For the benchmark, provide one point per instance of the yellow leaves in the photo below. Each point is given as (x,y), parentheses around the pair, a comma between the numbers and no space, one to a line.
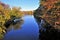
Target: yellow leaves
(3,31)
(5,14)
(0,30)
(16,8)
(1,7)
(2,19)
(20,14)
(1,36)
(16,12)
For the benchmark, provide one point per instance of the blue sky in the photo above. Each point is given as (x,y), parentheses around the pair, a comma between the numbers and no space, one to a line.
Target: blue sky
(25,5)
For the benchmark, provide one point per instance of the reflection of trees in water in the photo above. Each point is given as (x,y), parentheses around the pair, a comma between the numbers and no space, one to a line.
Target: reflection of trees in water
(49,10)
(18,25)
(6,18)
(11,23)
(14,23)
(47,32)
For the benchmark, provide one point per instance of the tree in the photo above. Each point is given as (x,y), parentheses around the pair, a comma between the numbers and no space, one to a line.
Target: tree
(7,14)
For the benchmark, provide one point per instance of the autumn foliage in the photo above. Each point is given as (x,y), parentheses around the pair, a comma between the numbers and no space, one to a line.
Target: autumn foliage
(6,13)
(51,12)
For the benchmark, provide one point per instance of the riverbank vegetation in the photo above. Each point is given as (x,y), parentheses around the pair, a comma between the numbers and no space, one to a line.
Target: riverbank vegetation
(49,10)
(7,13)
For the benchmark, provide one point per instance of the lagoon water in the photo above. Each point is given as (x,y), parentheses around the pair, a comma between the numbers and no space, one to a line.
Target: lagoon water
(28,31)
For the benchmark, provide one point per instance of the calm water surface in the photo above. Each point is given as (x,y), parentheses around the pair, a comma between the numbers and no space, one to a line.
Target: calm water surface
(29,30)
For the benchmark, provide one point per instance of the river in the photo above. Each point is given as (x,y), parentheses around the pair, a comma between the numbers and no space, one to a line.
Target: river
(29,30)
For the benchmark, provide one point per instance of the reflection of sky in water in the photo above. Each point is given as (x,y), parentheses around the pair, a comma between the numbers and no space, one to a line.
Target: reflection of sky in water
(29,31)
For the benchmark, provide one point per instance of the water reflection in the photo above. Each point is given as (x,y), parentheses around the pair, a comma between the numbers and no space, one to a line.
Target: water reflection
(29,30)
